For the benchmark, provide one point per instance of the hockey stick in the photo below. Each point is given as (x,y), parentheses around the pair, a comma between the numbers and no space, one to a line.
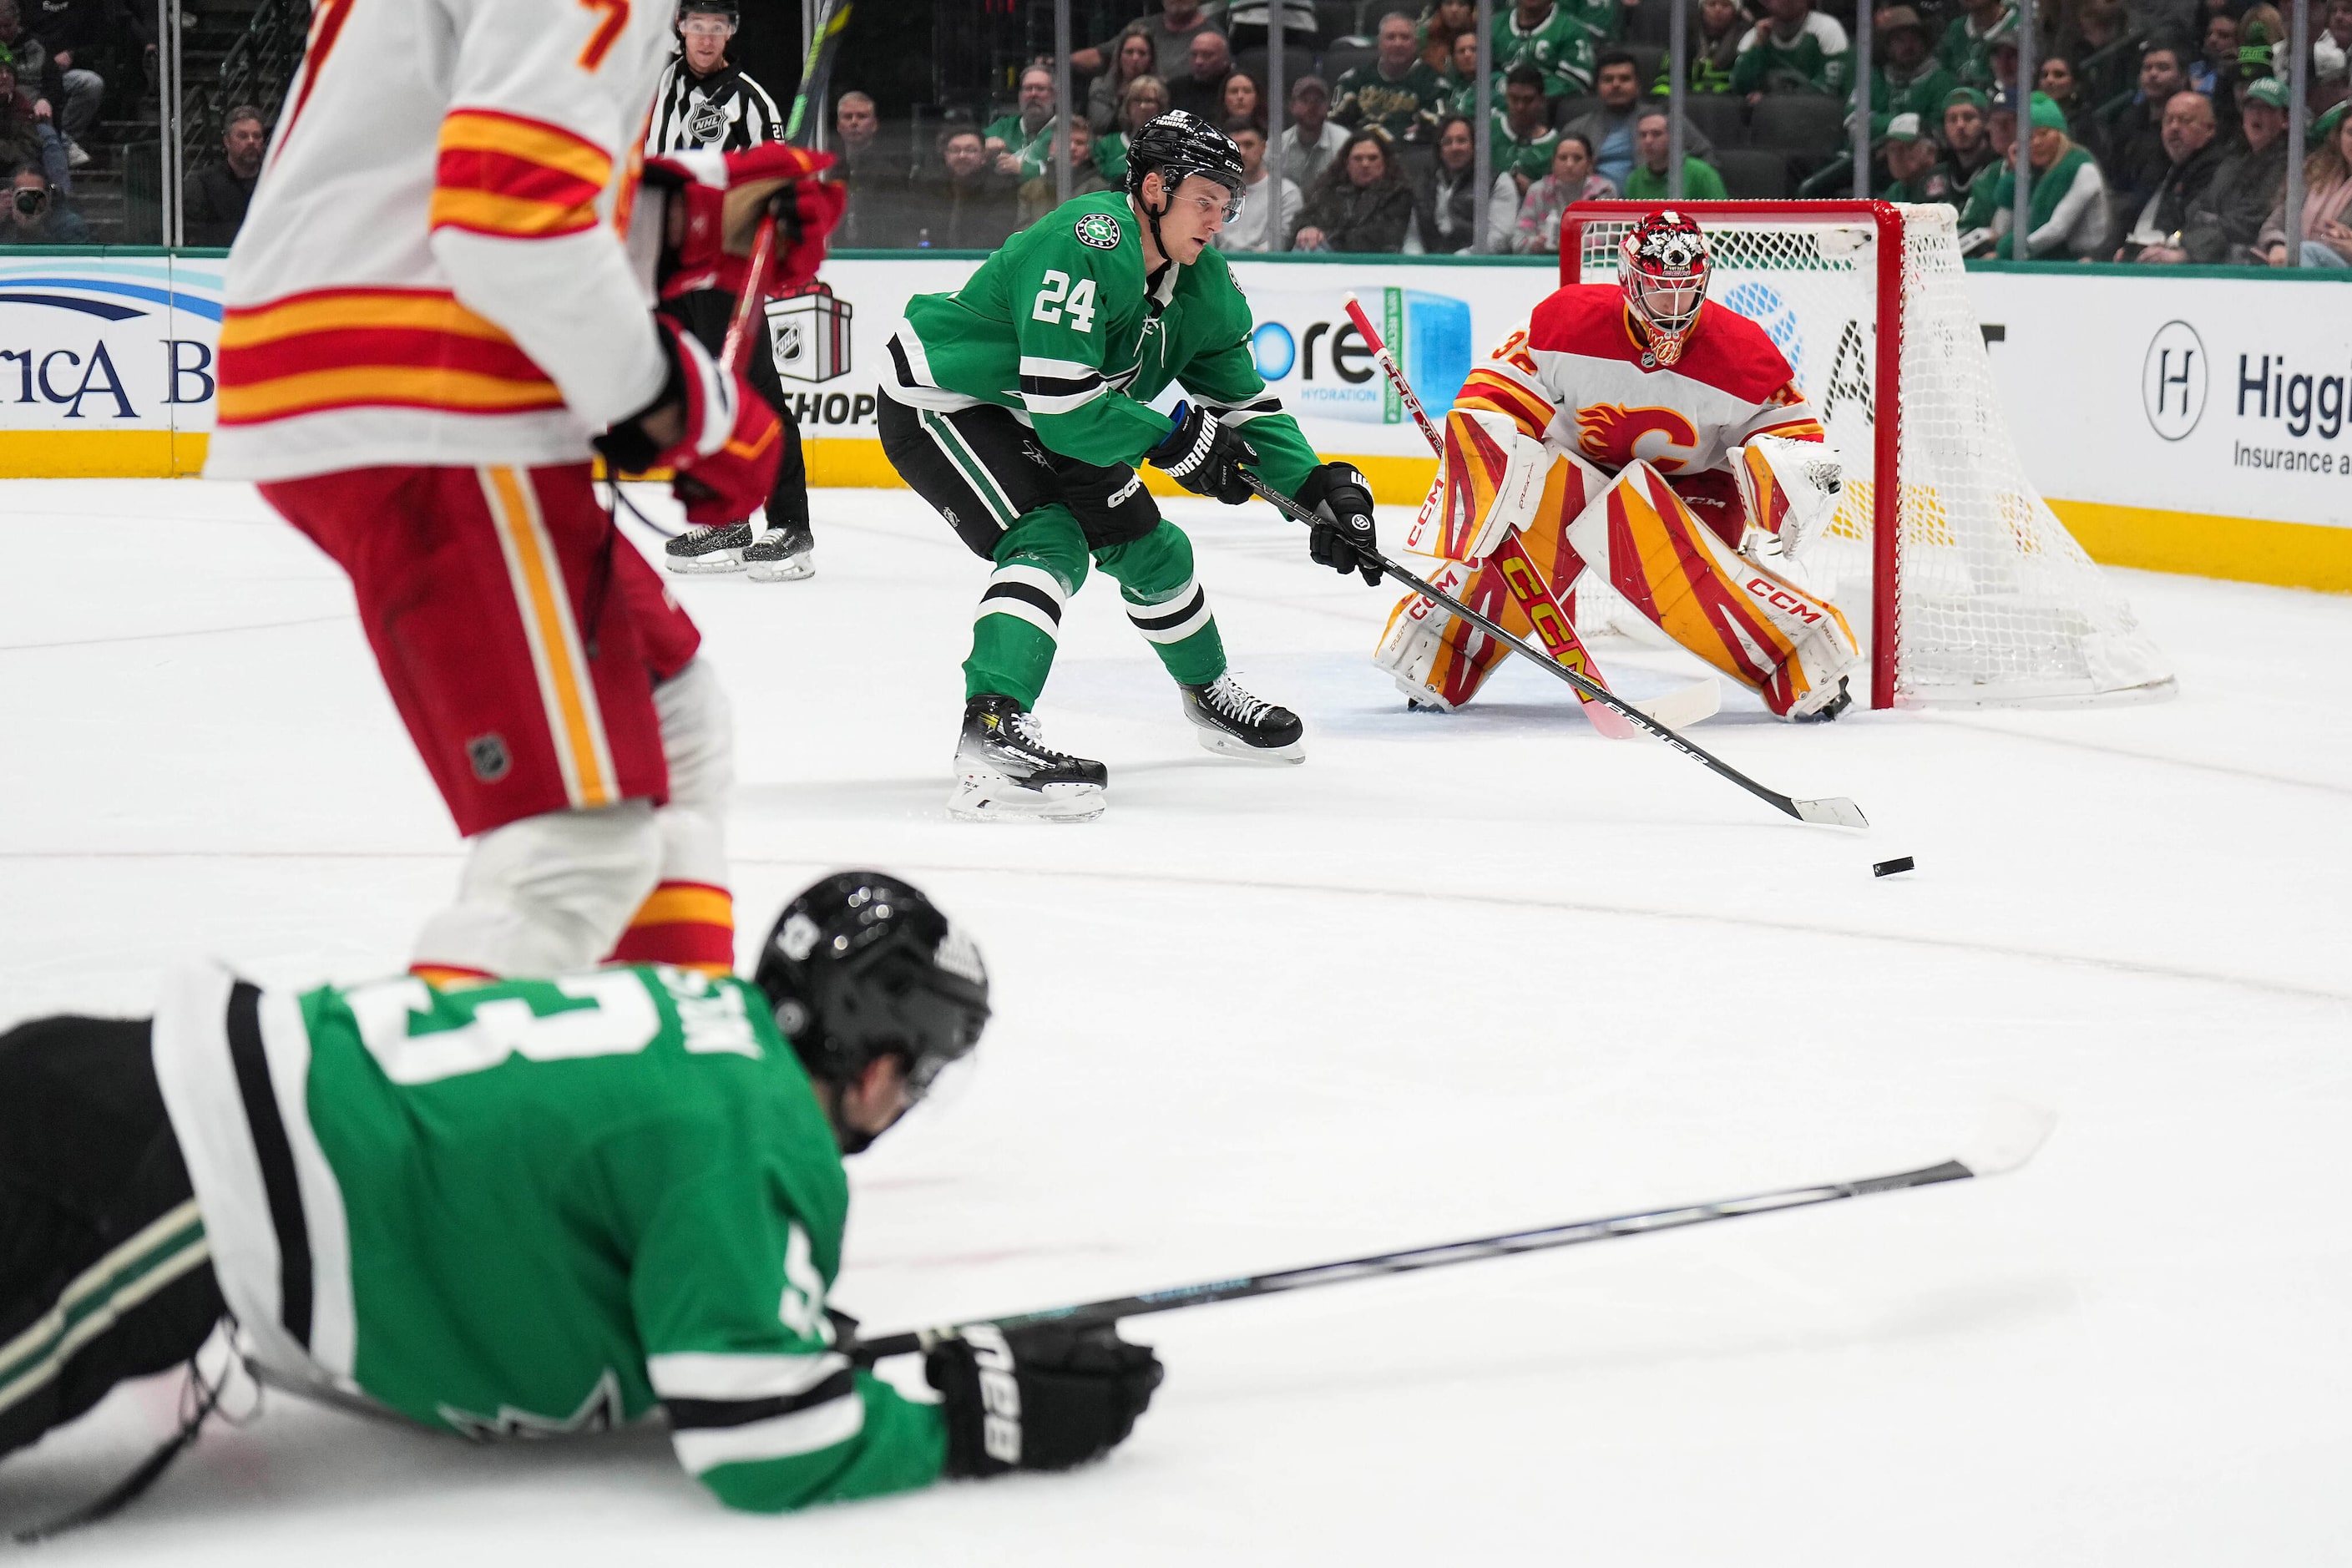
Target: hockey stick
(2009,1138)
(1543,609)
(817,70)
(1834,810)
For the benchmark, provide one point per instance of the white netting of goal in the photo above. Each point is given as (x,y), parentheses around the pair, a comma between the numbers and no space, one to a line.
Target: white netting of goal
(1998,604)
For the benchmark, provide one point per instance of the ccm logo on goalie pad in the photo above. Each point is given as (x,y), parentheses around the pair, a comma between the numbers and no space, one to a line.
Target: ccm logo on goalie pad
(1781,599)
(1000,1393)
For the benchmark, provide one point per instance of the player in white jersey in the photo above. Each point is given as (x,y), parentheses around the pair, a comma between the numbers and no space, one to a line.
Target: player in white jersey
(1645,433)
(437,306)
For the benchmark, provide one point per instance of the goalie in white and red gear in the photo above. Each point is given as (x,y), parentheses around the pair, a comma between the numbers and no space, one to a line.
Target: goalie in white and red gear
(1649,435)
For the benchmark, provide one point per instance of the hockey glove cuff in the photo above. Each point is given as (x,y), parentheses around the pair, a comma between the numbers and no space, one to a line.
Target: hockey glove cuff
(717,200)
(1044,1399)
(1205,455)
(729,441)
(1345,540)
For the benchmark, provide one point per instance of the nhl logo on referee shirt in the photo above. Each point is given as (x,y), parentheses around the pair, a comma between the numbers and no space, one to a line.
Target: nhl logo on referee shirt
(708,123)
(1099,230)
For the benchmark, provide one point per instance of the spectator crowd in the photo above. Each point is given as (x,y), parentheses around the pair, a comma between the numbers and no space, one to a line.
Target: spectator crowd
(2155,130)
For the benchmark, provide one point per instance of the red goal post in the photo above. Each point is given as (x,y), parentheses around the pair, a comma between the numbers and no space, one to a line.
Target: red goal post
(1977,594)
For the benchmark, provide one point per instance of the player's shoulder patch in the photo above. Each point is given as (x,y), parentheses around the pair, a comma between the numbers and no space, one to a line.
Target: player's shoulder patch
(1099,230)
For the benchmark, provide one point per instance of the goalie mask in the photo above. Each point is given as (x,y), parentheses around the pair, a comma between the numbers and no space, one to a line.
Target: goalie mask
(1662,266)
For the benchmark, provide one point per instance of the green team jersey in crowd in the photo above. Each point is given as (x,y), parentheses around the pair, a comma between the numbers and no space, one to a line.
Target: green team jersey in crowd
(1700,183)
(537,1206)
(1509,154)
(1967,53)
(1063,327)
(1922,93)
(1561,46)
(1818,60)
(1406,109)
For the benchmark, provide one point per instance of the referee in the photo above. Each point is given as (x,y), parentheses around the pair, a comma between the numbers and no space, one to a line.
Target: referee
(706,102)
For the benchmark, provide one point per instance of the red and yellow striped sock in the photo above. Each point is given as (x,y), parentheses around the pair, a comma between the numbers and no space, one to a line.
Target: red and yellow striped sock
(689,924)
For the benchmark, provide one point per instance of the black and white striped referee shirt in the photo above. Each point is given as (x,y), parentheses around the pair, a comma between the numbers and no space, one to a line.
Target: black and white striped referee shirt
(725,109)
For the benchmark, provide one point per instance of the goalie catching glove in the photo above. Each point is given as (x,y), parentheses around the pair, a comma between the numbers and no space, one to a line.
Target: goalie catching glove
(1790,490)
(728,443)
(1043,1399)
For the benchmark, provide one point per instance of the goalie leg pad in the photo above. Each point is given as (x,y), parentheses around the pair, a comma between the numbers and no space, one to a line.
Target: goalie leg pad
(1436,658)
(1492,483)
(1785,644)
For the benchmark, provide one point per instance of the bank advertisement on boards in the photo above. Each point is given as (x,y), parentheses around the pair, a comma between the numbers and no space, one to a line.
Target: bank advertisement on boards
(2196,395)
(90,343)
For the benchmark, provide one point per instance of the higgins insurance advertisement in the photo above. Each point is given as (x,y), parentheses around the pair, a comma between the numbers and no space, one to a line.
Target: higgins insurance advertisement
(2216,396)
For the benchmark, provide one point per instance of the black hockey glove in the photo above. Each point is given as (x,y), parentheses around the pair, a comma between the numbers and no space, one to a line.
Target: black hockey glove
(1044,1399)
(1205,455)
(1344,540)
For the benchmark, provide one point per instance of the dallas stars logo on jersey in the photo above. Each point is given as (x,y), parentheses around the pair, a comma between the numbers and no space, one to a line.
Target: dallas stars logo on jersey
(1099,230)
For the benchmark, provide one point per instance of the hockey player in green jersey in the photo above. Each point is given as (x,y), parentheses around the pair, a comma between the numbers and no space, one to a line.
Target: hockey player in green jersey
(1019,407)
(527,1207)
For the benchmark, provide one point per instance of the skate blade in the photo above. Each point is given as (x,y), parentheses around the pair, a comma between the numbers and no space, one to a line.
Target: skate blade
(973,801)
(791,569)
(1227,745)
(702,566)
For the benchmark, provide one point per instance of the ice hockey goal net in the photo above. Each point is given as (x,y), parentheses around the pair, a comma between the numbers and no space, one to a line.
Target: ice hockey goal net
(1975,593)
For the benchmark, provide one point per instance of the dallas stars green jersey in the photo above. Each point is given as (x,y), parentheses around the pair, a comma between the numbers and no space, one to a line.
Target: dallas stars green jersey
(1062,326)
(537,1206)
(1562,45)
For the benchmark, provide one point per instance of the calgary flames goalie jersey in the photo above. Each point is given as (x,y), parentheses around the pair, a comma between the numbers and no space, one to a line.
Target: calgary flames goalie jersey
(435,268)
(1577,377)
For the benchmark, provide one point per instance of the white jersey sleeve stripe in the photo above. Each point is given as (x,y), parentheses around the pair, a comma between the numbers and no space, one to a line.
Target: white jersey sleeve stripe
(779,1437)
(710,1375)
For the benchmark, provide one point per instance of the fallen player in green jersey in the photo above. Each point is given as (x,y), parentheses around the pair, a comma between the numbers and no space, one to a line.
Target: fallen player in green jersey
(526,1207)
(1019,406)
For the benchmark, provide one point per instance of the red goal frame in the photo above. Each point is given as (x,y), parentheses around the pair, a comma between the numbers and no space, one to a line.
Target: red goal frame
(1886,425)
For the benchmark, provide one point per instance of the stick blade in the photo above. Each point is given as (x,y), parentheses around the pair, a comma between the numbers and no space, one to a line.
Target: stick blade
(1836,811)
(1607,719)
(2011,1133)
(1694,704)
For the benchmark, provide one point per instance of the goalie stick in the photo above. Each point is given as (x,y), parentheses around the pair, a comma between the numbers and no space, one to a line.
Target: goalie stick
(1834,810)
(2011,1134)
(1543,609)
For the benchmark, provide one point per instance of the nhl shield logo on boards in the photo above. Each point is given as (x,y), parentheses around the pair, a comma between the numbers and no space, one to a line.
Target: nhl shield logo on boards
(1099,230)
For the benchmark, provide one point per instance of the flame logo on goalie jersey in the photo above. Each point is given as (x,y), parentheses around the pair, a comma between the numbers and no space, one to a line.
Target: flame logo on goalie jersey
(1610,434)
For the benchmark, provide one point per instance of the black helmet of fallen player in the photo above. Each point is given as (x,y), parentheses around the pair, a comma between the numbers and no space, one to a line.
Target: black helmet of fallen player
(862,966)
(1662,266)
(1176,146)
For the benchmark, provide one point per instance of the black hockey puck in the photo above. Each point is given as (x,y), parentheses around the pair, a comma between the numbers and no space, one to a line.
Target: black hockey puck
(1889,868)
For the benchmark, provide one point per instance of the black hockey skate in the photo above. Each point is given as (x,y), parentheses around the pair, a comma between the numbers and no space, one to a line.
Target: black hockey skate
(1006,772)
(718,548)
(1236,724)
(782,555)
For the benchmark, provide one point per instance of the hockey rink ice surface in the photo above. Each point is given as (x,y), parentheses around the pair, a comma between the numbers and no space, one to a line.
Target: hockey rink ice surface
(1452,976)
